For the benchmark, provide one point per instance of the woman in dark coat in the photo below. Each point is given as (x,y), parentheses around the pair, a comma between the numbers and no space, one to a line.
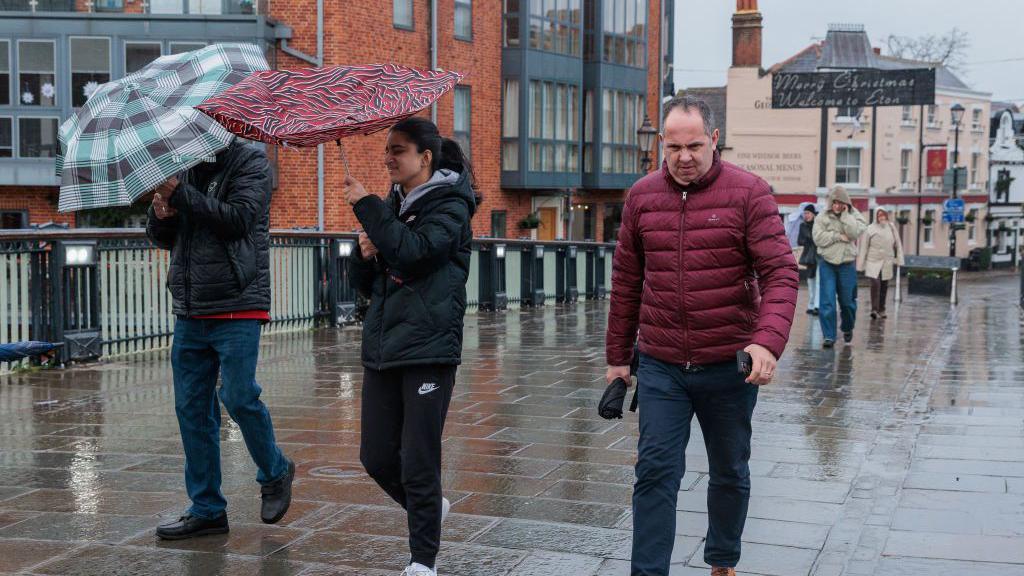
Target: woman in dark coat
(412,264)
(809,256)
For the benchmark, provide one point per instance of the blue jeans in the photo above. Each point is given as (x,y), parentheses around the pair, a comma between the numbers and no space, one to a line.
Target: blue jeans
(724,405)
(201,349)
(812,292)
(837,280)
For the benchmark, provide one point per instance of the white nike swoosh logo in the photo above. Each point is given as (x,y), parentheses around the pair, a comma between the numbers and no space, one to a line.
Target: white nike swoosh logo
(427,388)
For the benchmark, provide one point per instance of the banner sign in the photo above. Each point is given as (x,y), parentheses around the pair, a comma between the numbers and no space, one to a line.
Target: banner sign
(862,88)
(936,162)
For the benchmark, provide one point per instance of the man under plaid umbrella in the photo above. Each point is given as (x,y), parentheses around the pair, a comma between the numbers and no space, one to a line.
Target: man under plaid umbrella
(216,223)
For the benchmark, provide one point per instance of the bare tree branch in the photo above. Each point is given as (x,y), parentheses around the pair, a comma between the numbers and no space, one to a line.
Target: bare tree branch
(948,49)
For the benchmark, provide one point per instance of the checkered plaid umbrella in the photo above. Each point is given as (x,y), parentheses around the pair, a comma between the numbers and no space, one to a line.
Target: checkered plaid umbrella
(136,132)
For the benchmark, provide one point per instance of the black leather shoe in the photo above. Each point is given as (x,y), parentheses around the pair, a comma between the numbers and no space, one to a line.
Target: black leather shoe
(189,526)
(847,337)
(828,343)
(277,496)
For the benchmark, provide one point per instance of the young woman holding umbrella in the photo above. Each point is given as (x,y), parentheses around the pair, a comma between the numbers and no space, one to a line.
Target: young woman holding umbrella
(413,263)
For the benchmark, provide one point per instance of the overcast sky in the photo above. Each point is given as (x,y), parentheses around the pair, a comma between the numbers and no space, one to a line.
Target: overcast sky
(703,49)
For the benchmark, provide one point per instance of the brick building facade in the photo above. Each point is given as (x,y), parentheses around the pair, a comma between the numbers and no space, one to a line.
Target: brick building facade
(382,31)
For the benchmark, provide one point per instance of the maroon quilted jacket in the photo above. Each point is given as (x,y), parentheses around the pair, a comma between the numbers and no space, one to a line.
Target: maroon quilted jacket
(702,270)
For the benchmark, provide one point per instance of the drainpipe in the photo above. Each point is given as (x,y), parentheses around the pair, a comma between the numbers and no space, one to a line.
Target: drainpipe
(320,148)
(433,51)
(661,72)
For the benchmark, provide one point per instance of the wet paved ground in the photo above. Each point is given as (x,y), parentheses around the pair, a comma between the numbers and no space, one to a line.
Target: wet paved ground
(902,454)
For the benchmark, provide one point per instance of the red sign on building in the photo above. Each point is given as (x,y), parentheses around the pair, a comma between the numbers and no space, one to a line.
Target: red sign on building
(936,162)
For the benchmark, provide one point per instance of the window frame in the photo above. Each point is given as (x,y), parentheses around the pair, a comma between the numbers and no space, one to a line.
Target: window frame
(467,148)
(546,152)
(71,67)
(620,150)
(501,215)
(56,92)
(21,117)
(124,52)
(906,168)
(548,30)
(848,167)
(196,43)
(11,100)
(617,39)
(411,26)
(465,5)
(510,156)
(14,141)
(928,230)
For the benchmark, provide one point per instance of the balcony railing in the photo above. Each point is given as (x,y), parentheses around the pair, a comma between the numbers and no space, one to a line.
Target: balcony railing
(169,7)
(37,5)
(102,292)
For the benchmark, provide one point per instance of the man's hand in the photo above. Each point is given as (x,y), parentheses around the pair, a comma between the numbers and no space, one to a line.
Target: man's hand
(763,365)
(618,372)
(366,246)
(354,191)
(167,188)
(844,237)
(162,209)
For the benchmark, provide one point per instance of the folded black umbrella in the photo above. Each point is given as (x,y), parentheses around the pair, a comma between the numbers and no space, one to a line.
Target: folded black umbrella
(612,400)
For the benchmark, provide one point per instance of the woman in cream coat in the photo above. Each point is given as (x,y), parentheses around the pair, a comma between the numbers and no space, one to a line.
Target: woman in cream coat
(880,249)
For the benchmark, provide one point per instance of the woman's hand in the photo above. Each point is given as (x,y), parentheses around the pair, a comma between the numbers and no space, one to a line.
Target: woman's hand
(366,247)
(354,191)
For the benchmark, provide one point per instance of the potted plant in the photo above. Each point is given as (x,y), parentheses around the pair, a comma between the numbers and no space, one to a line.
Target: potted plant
(927,220)
(903,220)
(989,217)
(936,282)
(530,221)
(970,217)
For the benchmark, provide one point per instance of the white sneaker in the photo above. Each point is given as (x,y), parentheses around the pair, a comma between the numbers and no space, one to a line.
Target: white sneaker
(446,507)
(415,569)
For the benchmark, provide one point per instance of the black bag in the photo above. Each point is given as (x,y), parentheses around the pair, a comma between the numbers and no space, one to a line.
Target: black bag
(614,397)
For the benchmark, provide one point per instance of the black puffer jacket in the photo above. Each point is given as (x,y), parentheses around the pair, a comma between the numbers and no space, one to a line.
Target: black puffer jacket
(220,238)
(417,282)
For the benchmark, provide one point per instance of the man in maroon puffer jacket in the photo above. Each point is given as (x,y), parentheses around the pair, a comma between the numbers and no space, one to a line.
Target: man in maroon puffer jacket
(702,270)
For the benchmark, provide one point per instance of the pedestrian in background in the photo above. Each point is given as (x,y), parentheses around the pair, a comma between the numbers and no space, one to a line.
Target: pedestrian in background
(809,256)
(835,234)
(704,270)
(413,264)
(880,250)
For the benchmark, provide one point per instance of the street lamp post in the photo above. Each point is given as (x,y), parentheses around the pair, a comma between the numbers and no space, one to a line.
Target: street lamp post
(645,138)
(957,113)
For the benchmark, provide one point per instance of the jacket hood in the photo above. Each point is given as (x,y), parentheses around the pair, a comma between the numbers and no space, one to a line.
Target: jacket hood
(444,183)
(838,193)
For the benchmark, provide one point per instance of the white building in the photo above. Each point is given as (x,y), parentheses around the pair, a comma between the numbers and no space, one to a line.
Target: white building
(1006,194)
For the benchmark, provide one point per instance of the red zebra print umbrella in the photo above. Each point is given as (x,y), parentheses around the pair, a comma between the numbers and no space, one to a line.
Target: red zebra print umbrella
(317,105)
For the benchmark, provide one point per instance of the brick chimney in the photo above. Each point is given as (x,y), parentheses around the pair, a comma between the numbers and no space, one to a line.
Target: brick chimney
(746,35)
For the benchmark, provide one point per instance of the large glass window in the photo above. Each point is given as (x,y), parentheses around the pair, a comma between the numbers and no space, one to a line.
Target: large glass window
(5,73)
(510,126)
(847,165)
(464,19)
(138,54)
(625,32)
(932,111)
(612,222)
(36,80)
(463,115)
(554,127)
(6,137)
(588,131)
(37,137)
(908,114)
(182,47)
(403,17)
(498,223)
(928,226)
(555,26)
(511,23)
(622,116)
(975,164)
(90,67)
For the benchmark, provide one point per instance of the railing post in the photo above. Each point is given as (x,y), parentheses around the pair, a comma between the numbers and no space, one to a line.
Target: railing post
(75,297)
(898,297)
(572,270)
(492,277)
(342,299)
(532,276)
(599,287)
(539,296)
(953,289)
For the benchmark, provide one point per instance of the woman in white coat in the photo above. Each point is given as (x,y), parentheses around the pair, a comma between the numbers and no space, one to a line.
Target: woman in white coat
(880,250)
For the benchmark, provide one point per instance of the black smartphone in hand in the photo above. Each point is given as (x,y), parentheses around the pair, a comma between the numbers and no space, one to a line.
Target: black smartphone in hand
(744,363)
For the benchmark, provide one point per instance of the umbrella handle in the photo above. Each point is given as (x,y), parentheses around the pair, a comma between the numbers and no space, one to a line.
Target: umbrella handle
(344,156)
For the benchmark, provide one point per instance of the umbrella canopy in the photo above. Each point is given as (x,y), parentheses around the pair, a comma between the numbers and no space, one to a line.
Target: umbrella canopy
(793,222)
(136,132)
(316,105)
(18,350)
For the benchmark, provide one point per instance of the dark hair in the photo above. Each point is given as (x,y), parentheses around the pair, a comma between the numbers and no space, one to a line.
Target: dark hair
(688,103)
(445,153)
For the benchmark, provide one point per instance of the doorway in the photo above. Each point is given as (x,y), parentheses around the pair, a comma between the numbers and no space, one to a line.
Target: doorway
(548,224)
